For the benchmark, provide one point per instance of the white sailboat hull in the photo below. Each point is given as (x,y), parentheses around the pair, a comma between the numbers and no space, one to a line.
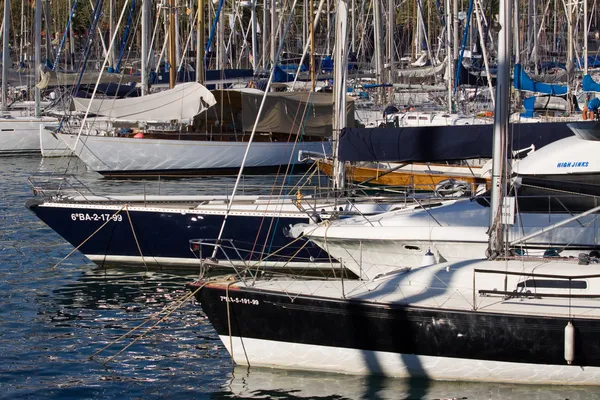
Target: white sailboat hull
(116,155)
(268,353)
(51,145)
(21,135)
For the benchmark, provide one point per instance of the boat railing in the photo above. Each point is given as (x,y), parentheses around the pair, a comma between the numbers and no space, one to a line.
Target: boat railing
(217,248)
(51,185)
(543,285)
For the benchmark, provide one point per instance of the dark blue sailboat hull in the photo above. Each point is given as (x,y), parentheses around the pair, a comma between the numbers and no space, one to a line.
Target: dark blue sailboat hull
(162,237)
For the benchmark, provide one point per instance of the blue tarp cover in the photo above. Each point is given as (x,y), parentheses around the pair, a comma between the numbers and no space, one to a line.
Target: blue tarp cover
(522,81)
(589,85)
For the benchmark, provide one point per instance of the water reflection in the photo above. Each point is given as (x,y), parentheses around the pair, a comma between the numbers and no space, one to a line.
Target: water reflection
(262,383)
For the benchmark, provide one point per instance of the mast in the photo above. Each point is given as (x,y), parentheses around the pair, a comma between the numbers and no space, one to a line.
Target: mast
(535,35)
(516,50)
(71,40)
(569,53)
(339,90)
(378,51)
(585,37)
(251,139)
(5,53)
(312,48)
(273,29)
(391,24)
(144,60)
(554,36)
(175,13)
(48,39)
(111,32)
(37,56)
(500,129)
(449,55)
(200,43)
(172,58)
(254,40)
(21,60)
(265,33)
(478,17)
(455,30)
(353,26)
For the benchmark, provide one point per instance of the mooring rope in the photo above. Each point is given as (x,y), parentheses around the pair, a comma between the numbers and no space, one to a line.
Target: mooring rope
(177,305)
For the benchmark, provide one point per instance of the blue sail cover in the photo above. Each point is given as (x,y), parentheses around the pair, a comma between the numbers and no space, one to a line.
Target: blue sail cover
(441,143)
(522,81)
(589,85)
(529,106)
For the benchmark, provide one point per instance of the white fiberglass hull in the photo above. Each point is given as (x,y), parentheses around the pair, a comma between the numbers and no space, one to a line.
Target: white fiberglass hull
(452,232)
(51,145)
(116,155)
(21,135)
(267,353)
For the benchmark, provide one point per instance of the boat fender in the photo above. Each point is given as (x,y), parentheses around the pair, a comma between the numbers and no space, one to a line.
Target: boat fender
(428,259)
(570,343)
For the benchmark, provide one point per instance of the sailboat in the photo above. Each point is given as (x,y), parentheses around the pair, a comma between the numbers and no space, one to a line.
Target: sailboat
(502,319)
(20,135)
(131,229)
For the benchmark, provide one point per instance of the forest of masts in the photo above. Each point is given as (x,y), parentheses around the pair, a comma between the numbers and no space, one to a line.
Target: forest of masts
(409,28)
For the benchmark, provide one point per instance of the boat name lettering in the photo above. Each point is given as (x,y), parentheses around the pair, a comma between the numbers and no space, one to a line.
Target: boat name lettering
(574,164)
(96,217)
(239,300)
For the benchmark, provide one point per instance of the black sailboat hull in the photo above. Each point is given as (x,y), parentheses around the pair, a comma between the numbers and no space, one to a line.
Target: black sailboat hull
(375,332)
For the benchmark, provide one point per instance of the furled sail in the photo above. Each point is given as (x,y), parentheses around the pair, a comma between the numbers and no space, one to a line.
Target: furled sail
(422,72)
(181,103)
(54,78)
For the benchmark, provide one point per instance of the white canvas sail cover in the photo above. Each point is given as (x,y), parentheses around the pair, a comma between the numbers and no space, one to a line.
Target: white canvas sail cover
(181,103)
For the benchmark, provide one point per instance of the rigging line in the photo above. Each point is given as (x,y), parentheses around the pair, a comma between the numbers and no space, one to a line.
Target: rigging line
(151,44)
(125,36)
(289,170)
(181,303)
(270,231)
(64,38)
(229,328)
(112,42)
(257,264)
(287,173)
(315,24)
(137,243)
(237,181)
(187,42)
(89,237)
(121,78)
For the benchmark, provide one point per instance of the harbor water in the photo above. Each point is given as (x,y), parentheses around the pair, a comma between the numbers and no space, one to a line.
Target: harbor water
(58,314)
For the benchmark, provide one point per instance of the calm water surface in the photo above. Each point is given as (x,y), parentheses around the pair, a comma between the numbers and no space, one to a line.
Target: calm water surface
(53,319)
